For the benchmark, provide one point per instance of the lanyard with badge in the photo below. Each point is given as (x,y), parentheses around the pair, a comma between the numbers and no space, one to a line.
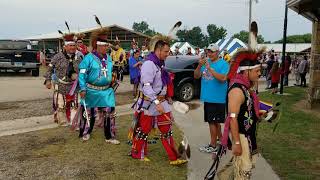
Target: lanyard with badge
(103,65)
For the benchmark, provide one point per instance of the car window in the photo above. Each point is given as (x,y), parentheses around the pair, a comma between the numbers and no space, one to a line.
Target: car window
(192,66)
(181,62)
(15,45)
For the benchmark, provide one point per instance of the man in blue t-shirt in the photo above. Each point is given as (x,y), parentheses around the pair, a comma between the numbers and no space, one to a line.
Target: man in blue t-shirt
(134,70)
(213,72)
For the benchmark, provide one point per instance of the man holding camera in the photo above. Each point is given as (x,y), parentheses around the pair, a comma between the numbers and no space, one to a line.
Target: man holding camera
(213,72)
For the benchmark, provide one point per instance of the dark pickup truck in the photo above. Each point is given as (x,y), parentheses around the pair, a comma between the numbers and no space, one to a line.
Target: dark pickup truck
(17,55)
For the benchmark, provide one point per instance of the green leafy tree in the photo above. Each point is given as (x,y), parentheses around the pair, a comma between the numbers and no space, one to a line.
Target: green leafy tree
(303,38)
(244,37)
(193,36)
(215,33)
(143,27)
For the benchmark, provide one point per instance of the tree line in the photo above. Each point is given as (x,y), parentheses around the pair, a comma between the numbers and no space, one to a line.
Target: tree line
(213,33)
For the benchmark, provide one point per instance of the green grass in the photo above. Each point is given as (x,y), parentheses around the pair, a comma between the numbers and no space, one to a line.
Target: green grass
(294,148)
(59,154)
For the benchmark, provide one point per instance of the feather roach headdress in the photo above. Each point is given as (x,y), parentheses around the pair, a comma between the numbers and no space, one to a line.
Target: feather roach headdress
(134,42)
(167,38)
(99,36)
(80,36)
(146,42)
(117,41)
(244,59)
(68,38)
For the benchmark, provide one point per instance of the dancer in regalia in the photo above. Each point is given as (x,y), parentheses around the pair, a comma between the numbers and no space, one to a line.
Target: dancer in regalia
(96,89)
(62,75)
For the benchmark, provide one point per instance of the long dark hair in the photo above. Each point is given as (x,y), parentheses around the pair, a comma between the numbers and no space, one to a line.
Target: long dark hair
(289,58)
(275,67)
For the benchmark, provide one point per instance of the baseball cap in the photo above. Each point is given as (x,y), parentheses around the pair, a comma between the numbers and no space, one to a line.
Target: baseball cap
(213,47)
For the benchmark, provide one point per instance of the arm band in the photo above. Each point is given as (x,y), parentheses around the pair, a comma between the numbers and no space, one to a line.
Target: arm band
(233,115)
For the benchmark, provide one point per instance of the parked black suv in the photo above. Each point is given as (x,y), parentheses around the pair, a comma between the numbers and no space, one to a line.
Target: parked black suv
(182,68)
(49,55)
(17,55)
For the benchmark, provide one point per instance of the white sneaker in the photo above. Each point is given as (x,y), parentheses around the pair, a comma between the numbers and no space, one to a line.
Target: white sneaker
(112,141)
(208,149)
(86,137)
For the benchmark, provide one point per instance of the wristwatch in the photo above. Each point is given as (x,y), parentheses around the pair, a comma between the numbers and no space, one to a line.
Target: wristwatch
(156,101)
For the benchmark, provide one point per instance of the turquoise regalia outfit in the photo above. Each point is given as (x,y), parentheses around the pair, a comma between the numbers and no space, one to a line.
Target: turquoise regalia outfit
(95,80)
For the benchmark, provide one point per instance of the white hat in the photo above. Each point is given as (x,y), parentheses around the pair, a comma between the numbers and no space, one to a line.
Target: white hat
(213,47)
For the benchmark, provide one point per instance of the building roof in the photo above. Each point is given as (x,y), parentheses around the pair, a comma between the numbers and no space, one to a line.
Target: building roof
(231,45)
(308,8)
(124,34)
(290,48)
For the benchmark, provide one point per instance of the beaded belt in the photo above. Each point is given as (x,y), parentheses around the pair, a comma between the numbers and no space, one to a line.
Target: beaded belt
(100,88)
(64,82)
(146,98)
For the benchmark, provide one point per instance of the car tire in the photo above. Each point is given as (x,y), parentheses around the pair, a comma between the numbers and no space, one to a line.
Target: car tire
(186,92)
(35,72)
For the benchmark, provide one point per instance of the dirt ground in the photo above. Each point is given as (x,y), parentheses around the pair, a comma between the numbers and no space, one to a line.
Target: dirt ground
(59,154)
(123,98)
(42,107)
(24,87)
(25,109)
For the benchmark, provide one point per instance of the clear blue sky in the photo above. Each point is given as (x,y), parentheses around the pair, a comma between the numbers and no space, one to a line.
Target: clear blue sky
(23,18)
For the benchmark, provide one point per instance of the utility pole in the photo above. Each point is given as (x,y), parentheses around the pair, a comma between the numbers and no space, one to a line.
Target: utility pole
(284,45)
(250,18)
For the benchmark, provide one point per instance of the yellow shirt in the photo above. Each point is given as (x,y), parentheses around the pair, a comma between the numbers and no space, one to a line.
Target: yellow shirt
(227,57)
(115,55)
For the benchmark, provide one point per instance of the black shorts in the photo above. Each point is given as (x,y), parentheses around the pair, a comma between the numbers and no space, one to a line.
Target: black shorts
(274,85)
(214,112)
